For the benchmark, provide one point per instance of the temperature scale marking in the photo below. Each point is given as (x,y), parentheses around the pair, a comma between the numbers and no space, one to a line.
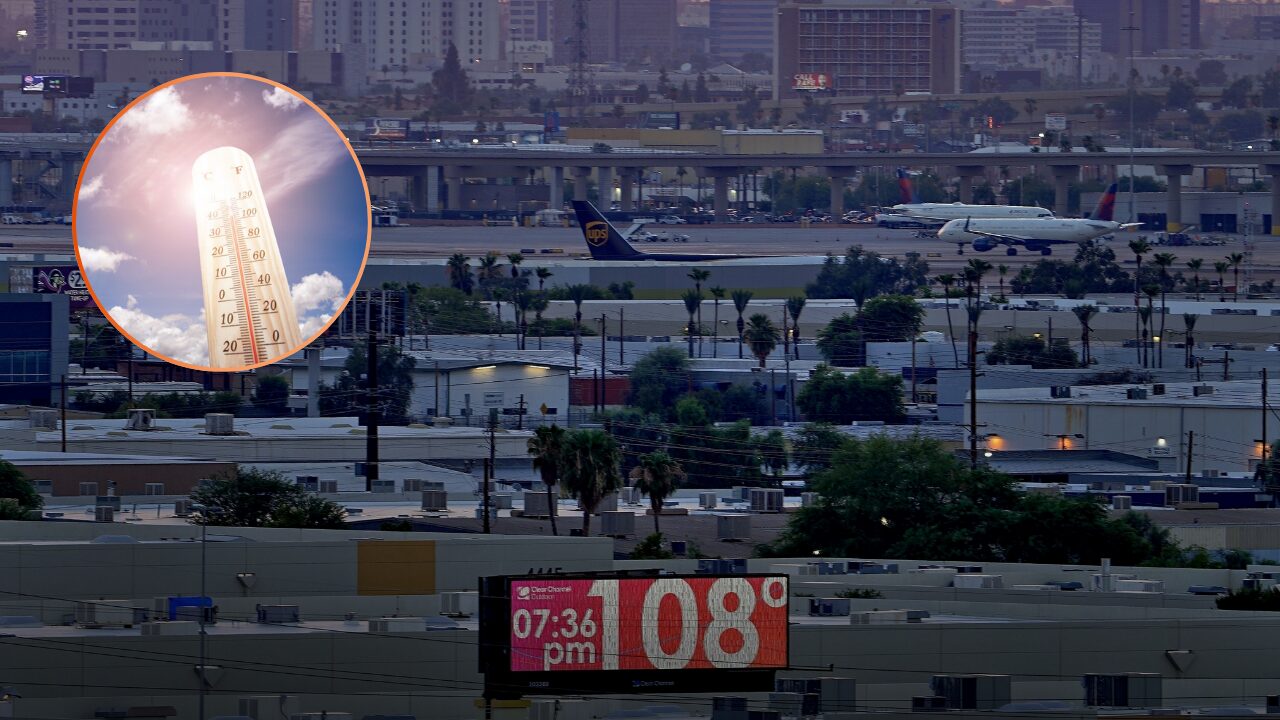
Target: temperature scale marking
(249,313)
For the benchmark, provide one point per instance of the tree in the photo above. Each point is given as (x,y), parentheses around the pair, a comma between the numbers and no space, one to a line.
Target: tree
(1235,260)
(832,396)
(589,470)
(272,393)
(1242,126)
(814,445)
(460,273)
(1084,314)
(1029,105)
(840,342)
(761,336)
(1194,266)
(1181,94)
(700,91)
(692,305)
(1139,247)
(699,276)
(642,93)
(1164,261)
(578,294)
(349,392)
(868,273)
(996,108)
(1237,94)
(1220,267)
(657,476)
(740,300)
(946,280)
(1211,73)
(261,498)
(890,318)
(1002,270)
(543,274)
(452,86)
(19,499)
(795,306)
(1189,322)
(658,379)
(547,449)
(1023,350)
(718,293)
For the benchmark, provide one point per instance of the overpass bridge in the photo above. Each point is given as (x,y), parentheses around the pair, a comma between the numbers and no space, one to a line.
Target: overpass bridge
(436,173)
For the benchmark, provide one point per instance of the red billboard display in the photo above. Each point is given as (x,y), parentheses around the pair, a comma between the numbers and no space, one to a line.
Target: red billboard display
(648,624)
(811,81)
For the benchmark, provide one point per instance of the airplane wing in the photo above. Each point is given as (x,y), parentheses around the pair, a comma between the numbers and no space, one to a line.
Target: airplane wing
(1001,239)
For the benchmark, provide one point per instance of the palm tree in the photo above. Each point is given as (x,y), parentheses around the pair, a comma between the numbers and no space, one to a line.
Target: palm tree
(973,272)
(539,305)
(1164,261)
(762,336)
(577,293)
(692,304)
(1148,333)
(1084,313)
(1189,321)
(1234,260)
(717,292)
(1003,270)
(522,302)
(1144,316)
(657,476)
(547,447)
(589,470)
(515,259)
(1029,105)
(1221,268)
(1194,266)
(460,272)
(543,275)
(946,281)
(1139,247)
(795,306)
(489,271)
(698,276)
(740,300)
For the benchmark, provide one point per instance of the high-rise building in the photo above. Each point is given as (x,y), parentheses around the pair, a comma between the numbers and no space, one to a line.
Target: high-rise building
(529,35)
(402,34)
(867,47)
(997,36)
(256,24)
(618,30)
(1157,24)
(742,27)
(117,24)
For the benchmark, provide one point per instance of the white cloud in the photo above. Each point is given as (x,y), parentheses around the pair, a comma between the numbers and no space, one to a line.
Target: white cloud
(312,325)
(281,99)
(162,113)
(90,189)
(173,336)
(102,259)
(318,291)
(298,155)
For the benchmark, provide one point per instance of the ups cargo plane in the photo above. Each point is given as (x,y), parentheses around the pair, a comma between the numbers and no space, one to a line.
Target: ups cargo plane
(606,243)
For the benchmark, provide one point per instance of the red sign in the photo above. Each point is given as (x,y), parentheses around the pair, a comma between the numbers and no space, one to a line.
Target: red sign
(811,81)
(688,623)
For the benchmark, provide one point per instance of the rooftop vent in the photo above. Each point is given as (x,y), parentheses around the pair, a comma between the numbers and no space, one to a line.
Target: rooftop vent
(43,419)
(219,424)
(141,419)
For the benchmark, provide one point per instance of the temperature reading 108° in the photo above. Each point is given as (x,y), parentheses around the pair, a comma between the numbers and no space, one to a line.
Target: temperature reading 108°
(248,311)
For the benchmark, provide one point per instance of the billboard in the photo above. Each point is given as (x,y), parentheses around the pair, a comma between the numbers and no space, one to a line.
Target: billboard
(1055,121)
(64,280)
(33,84)
(386,128)
(811,81)
(615,633)
(660,120)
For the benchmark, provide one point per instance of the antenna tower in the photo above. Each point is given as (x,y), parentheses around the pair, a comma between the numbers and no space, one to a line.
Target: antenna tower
(579,75)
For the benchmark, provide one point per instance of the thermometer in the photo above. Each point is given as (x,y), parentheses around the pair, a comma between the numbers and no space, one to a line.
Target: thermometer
(248,311)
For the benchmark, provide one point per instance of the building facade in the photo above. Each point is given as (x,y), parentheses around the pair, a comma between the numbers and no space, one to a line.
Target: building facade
(34,357)
(1050,38)
(409,35)
(868,47)
(1158,24)
(742,27)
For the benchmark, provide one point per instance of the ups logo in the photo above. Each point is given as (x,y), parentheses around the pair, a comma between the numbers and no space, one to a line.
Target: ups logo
(597,232)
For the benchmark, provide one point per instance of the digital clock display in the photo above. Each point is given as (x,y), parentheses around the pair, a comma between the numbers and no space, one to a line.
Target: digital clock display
(645,624)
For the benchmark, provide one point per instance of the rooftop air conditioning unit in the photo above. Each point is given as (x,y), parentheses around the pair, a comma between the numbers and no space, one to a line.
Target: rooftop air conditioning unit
(384,486)
(182,508)
(108,613)
(928,703)
(1122,690)
(175,627)
(1199,390)
(411,485)
(1060,391)
(104,514)
(1147,586)
(828,607)
(502,501)
(435,501)
(1178,493)
(328,487)
(733,527)
(878,617)
(397,625)
(984,582)
(219,424)
(310,483)
(808,499)
(43,419)
(972,692)
(718,566)
(618,523)
(794,704)
(707,500)
(1157,389)
(629,495)
(1121,502)
(537,505)
(141,419)
(766,500)
(460,604)
(1211,473)
(279,615)
(1135,394)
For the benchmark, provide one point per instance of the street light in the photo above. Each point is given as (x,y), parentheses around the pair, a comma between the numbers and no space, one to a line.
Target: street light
(205,511)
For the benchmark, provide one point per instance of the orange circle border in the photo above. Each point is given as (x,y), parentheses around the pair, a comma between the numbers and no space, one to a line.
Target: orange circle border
(364,182)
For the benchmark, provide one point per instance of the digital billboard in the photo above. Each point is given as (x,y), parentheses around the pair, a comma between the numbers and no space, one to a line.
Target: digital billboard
(64,280)
(33,84)
(811,81)
(617,633)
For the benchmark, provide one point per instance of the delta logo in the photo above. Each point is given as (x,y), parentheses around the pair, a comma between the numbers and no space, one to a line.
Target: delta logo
(597,232)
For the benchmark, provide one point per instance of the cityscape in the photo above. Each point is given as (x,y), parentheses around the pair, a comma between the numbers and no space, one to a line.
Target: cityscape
(639,359)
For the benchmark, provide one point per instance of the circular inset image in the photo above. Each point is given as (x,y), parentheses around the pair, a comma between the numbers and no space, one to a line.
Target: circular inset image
(221,221)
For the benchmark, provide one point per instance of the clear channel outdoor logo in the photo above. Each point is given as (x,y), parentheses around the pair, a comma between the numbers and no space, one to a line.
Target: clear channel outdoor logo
(540,592)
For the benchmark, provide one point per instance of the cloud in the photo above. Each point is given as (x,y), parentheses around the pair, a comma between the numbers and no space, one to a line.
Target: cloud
(281,99)
(102,259)
(90,189)
(313,324)
(180,337)
(162,113)
(318,291)
(301,153)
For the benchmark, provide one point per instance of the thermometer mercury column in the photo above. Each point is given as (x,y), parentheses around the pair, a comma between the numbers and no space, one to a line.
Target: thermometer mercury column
(248,311)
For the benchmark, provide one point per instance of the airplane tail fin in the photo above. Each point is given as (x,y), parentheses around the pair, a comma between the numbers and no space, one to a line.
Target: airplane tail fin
(1106,208)
(907,192)
(603,239)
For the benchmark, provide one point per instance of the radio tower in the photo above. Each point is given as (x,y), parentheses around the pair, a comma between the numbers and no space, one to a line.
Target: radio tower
(579,76)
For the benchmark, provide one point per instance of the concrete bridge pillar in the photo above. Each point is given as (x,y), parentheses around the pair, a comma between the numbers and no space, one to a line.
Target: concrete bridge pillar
(837,176)
(580,176)
(720,178)
(1173,197)
(964,185)
(1062,177)
(424,189)
(1274,172)
(6,182)
(627,188)
(604,182)
(453,194)
(555,187)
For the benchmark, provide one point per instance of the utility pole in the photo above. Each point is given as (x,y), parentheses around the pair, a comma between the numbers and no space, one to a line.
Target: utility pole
(520,410)
(1133,90)
(973,396)
(371,423)
(1226,365)
(1264,415)
(1050,345)
(604,359)
(1191,439)
(64,411)
(489,469)
(579,76)
(622,345)
(436,387)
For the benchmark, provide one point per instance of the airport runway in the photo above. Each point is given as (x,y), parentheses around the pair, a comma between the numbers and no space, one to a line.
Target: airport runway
(426,241)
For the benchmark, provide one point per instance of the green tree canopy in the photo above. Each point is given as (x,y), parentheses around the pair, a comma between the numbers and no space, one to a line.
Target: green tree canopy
(19,499)
(863,274)
(833,396)
(260,498)
(348,395)
(1032,350)
(658,379)
(272,393)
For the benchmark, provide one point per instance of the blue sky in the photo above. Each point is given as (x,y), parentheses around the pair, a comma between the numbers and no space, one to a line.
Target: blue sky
(135,220)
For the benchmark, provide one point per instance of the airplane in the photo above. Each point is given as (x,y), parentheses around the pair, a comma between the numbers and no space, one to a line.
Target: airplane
(1034,234)
(912,212)
(606,243)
